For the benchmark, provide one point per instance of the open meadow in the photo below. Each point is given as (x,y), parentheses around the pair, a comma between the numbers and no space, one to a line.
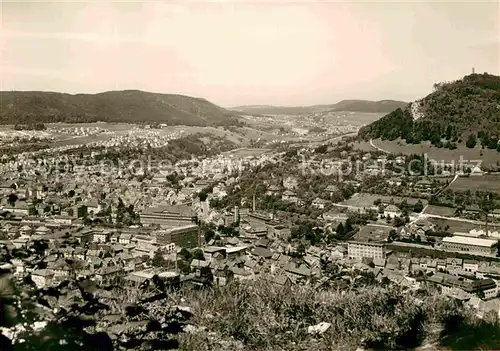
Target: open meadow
(453,226)
(367,200)
(488,157)
(487,182)
(440,211)
(246,152)
(472,156)
(363,146)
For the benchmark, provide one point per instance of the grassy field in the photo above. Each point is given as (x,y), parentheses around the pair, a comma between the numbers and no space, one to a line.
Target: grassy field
(459,226)
(81,140)
(488,182)
(366,200)
(489,157)
(373,233)
(440,211)
(245,152)
(363,146)
(104,125)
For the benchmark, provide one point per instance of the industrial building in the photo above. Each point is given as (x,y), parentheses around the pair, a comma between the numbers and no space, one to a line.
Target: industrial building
(172,216)
(187,236)
(470,245)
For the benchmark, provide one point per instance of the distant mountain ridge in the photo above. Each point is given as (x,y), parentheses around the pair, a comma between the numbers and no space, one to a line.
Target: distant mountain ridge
(470,105)
(383,106)
(128,106)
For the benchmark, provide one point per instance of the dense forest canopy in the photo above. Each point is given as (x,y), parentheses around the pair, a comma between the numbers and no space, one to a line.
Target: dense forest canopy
(383,106)
(450,114)
(129,106)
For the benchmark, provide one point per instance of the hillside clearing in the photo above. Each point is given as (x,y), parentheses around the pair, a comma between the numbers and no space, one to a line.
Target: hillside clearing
(473,156)
(487,182)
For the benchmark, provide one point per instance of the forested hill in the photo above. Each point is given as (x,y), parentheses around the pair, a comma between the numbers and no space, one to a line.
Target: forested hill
(368,106)
(130,106)
(454,111)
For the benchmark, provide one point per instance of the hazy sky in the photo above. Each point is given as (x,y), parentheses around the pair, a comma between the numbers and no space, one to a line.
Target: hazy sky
(234,52)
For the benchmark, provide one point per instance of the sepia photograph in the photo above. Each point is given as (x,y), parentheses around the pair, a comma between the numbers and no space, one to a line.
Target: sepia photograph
(232,175)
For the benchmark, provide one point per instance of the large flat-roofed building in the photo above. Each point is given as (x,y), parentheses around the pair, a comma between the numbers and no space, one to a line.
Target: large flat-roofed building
(173,216)
(470,245)
(356,250)
(184,236)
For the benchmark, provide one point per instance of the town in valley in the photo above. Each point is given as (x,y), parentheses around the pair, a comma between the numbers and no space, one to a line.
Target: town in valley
(132,220)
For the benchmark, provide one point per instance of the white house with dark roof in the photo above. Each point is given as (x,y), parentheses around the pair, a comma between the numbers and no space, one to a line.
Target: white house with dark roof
(392,211)
(331,189)
(124,238)
(319,203)
(289,196)
(42,278)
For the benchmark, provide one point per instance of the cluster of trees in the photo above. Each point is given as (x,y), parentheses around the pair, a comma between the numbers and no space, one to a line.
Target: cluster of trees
(399,221)
(397,124)
(487,141)
(232,230)
(344,230)
(185,257)
(35,126)
(209,235)
(311,230)
(317,130)
(321,149)
(204,192)
(125,215)
(174,178)
(13,150)
(308,230)
(462,199)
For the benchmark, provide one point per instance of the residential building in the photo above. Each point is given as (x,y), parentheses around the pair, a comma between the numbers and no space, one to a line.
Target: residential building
(332,189)
(471,266)
(125,239)
(319,203)
(101,236)
(392,211)
(233,253)
(213,253)
(42,278)
(357,250)
(289,196)
(273,190)
(83,236)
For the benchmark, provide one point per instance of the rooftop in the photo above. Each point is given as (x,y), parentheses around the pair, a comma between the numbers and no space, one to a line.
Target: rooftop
(470,241)
(235,249)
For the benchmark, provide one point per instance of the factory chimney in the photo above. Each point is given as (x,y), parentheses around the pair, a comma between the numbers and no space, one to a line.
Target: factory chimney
(236,214)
